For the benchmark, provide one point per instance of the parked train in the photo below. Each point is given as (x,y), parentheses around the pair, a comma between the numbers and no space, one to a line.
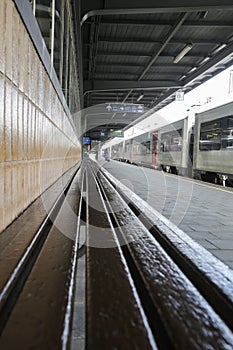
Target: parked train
(199,147)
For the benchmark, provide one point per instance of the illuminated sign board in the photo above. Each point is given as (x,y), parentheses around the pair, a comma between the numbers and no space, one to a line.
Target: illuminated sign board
(115,133)
(124,108)
(86,140)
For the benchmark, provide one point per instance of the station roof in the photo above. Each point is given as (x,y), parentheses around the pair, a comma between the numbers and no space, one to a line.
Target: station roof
(150,49)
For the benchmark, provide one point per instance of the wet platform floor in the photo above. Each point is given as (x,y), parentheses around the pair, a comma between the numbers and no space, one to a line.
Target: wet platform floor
(202,210)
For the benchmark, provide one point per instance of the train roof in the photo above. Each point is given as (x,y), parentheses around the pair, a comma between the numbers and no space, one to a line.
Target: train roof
(223,108)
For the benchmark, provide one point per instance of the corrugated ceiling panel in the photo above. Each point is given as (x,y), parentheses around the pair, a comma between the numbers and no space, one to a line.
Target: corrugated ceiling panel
(124,31)
(121,59)
(118,69)
(220,15)
(152,30)
(110,76)
(173,68)
(161,76)
(148,16)
(141,48)
(204,33)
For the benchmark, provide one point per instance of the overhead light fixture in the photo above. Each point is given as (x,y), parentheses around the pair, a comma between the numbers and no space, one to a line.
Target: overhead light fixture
(140,97)
(220,48)
(192,69)
(182,53)
(183,76)
(205,60)
(203,14)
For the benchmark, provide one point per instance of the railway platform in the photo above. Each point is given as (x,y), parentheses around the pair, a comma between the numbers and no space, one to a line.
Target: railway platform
(202,210)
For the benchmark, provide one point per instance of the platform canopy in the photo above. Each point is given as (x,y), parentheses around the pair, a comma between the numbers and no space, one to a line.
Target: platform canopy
(146,51)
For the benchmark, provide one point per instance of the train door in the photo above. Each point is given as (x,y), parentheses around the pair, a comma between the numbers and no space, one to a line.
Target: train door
(190,155)
(131,150)
(154,148)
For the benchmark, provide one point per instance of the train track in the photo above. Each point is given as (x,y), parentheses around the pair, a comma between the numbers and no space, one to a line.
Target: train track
(181,302)
(36,291)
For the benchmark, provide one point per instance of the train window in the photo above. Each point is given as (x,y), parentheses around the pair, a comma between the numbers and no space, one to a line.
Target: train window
(210,136)
(227,139)
(171,141)
(209,145)
(210,140)
(136,148)
(227,133)
(210,126)
(216,135)
(230,122)
(145,147)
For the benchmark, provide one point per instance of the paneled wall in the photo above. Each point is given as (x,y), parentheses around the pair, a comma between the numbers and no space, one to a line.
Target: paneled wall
(37,140)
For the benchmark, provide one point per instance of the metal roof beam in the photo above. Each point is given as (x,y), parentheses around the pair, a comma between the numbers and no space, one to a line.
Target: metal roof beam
(156,65)
(165,42)
(142,22)
(104,98)
(113,99)
(147,95)
(163,45)
(110,94)
(119,65)
(123,53)
(159,75)
(114,85)
(152,41)
(128,7)
(142,54)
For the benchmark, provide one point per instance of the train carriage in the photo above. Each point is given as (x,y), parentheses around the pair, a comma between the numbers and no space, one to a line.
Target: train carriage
(117,150)
(141,149)
(173,147)
(200,147)
(213,144)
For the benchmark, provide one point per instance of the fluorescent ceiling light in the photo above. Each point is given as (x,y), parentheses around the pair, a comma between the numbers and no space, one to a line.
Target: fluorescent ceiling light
(182,53)
(205,60)
(192,69)
(183,76)
(140,97)
(220,47)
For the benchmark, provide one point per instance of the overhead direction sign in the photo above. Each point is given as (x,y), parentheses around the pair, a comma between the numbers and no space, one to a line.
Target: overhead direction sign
(124,108)
(179,96)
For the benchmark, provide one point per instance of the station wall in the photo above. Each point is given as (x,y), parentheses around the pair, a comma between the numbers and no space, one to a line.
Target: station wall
(38,142)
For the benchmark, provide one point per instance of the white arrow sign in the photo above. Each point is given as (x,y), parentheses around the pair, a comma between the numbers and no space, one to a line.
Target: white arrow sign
(109,108)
